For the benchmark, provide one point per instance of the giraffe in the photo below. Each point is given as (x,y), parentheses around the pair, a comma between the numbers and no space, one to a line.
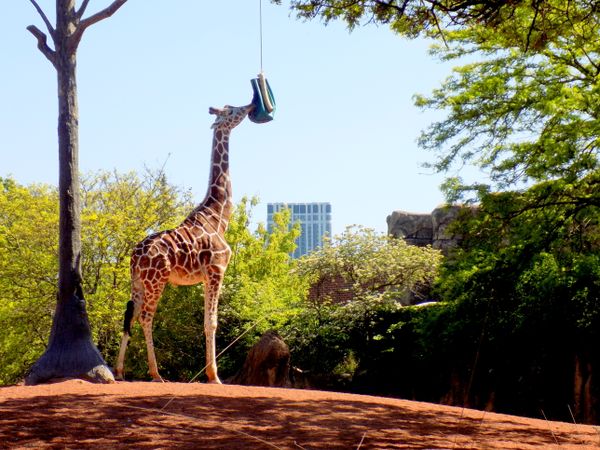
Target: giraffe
(191,253)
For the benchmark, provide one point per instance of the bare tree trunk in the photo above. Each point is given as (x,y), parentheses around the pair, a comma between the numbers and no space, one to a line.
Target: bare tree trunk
(70,352)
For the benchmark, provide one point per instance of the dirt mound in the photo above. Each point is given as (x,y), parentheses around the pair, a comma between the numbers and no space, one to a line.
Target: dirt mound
(80,415)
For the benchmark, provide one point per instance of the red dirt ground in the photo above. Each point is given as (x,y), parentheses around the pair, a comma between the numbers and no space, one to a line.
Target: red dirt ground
(78,415)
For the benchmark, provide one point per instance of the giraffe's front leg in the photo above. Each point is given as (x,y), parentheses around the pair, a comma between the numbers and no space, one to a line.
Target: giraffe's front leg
(146,322)
(211,301)
(146,317)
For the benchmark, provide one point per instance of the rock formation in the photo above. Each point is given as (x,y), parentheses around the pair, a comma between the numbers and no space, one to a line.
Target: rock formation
(427,229)
(267,363)
(416,229)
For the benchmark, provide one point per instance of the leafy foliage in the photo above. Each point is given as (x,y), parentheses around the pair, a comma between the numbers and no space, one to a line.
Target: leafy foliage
(117,211)
(260,282)
(370,265)
(28,273)
(522,117)
(533,314)
(339,329)
(536,22)
(525,111)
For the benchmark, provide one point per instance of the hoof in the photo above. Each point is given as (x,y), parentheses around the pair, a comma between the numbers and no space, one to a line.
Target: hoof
(215,381)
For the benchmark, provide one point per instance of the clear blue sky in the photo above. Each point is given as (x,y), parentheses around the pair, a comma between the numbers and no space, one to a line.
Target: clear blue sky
(345,130)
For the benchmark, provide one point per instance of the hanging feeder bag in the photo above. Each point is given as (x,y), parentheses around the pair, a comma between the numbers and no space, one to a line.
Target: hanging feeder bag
(262,100)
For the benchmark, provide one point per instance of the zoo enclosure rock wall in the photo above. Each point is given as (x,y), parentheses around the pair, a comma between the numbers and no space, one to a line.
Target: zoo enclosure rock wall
(423,229)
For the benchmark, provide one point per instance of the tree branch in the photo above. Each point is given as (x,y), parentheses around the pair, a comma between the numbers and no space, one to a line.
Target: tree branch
(95,18)
(439,28)
(101,15)
(44,18)
(42,44)
(532,26)
(82,8)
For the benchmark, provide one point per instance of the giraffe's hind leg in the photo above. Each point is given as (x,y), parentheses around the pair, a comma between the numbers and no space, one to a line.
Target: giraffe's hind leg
(151,298)
(145,296)
(146,322)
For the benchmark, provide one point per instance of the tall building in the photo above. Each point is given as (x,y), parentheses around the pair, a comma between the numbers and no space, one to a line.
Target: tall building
(315,223)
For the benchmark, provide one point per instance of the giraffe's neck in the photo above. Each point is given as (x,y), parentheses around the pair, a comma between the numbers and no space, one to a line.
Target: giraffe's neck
(217,204)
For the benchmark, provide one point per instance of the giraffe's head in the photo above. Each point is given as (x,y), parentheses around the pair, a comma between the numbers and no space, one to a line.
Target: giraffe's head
(229,116)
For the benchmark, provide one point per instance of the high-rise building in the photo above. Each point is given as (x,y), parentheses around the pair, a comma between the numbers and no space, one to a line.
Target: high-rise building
(315,223)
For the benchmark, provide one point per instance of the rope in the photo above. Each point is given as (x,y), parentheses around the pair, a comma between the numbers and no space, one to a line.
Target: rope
(260,319)
(260,33)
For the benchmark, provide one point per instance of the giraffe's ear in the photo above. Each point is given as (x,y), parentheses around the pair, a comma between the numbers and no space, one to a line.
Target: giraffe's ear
(217,112)
(221,112)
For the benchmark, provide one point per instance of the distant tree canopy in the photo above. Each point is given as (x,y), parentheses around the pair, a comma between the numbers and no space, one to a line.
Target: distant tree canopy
(28,273)
(371,265)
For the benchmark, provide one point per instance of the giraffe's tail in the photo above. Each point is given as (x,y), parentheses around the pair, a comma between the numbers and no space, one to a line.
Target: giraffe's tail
(128,317)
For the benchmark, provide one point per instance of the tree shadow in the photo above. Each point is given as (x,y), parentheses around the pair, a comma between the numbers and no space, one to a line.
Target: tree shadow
(218,422)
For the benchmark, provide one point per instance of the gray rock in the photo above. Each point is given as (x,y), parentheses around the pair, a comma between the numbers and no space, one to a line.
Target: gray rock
(441,218)
(415,228)
(428,229)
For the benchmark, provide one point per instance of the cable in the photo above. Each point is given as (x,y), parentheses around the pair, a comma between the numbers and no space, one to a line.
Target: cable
(260,33)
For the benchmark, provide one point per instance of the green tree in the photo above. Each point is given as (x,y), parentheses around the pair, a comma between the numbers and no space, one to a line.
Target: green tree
(526,113)
(28,268)
(358,283)
(117,211)
(526,315)
(541,21)
(370,266)
(523,118)
(260,279)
